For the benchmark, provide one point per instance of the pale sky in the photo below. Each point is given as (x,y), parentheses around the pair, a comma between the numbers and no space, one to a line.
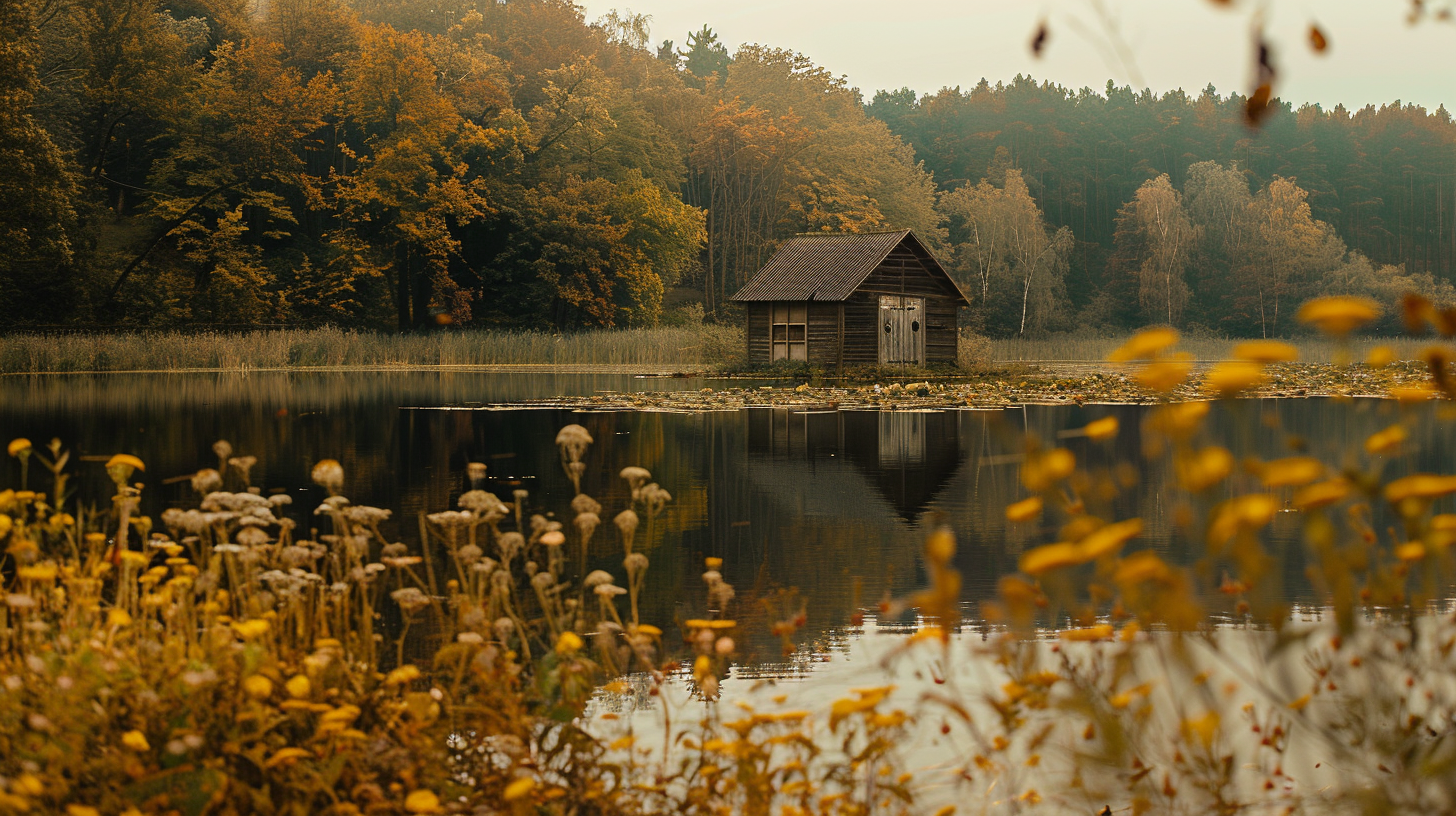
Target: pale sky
(1375,56)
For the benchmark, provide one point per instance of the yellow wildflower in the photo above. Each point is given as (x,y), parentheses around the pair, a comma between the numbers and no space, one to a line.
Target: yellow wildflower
(1385,441)
(258,687)
(1139,567)
(20,446)
(1265,351)
(1380,357)
(251,629)
(1338,315)
(1099,429)
(519,789)
(1292,471)
(1041,471)
(1204,468)
(298,686)
(1108,539)
(1050,557)
(1024,510)
(135,740)
(1321,494)
(1144,345)
(1165,375)
(1102,631)
(1233,376)
(569,643)
(125,460)
(1413,551)
(407,673)
(1419,486)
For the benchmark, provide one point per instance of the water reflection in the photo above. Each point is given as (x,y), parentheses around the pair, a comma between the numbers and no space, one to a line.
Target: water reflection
(832,504)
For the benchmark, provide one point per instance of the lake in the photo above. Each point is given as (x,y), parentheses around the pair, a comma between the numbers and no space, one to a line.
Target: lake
(831,505)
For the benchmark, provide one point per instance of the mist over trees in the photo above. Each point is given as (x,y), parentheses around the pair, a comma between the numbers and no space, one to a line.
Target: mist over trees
(397,164)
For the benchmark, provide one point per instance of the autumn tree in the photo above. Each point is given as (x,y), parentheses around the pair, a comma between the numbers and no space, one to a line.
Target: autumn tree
(1157,210)
(1003,247)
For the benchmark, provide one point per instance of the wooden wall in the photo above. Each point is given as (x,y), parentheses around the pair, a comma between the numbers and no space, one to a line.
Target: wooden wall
(756,330)
(902,273)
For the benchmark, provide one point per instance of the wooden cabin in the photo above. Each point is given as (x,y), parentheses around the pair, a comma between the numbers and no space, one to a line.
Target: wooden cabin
(854,299)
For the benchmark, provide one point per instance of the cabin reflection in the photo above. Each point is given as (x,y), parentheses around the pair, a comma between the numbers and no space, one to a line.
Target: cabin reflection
(904,457)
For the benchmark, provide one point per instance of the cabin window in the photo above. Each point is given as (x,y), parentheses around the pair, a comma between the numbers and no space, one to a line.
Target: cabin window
(789,331)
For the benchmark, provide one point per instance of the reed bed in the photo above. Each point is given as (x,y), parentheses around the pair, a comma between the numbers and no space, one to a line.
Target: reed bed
(331,348)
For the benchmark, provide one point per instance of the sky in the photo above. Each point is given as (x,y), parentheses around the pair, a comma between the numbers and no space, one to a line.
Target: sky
(1375,56)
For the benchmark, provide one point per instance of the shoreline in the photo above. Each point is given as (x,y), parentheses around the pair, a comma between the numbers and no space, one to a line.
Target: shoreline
(1082,384)
(1019,383)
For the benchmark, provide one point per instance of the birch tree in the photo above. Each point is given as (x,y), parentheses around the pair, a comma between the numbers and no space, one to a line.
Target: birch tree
(1159,214)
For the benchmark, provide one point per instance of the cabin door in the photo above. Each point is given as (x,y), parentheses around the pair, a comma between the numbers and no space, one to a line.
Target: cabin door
(902,329)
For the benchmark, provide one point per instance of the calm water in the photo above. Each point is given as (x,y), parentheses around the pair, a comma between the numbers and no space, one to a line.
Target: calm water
(833,504)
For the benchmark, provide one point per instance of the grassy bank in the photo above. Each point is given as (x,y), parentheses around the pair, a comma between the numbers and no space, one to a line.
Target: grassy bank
(679,349)
(172,351)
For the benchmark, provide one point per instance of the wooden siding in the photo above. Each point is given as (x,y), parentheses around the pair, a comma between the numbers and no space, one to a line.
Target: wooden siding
(848,333)
(862,329)
(940,330)
(902,273)
(758,328)
(824,334)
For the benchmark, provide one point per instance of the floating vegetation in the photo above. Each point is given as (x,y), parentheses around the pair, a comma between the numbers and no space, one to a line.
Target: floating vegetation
(1046,384)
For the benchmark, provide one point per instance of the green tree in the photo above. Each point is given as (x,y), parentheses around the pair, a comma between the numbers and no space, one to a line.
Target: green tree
(705,55)
(37,280)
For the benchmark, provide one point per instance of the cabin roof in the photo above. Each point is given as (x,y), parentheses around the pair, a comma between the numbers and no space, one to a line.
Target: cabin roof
(830,267)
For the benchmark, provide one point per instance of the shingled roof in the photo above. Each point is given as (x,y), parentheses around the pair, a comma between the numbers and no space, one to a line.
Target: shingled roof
(830,267)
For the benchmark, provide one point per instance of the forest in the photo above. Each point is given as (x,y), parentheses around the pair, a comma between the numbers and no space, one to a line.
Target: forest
(398,165)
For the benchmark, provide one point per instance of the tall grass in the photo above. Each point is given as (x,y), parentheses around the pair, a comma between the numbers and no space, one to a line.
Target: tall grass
(280,349)
(1094,348)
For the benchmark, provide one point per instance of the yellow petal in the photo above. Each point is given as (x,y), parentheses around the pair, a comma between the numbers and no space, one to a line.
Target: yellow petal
(1231,377)
(1338,315)
(1204,468)
(298,686)
(1140,567)
(519,788)
(569,643)
(1104,428)
(1419,486)
(125,460)
(135,740)
(1110,538)
(1145,345)
(1024,510)
(1165,375)
(1385,441)
(1266,351)
(1050,557)
(1321,494)
(1292,471)
(422,801)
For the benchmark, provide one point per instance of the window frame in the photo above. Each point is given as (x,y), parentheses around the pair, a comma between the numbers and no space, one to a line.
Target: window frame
(788,332)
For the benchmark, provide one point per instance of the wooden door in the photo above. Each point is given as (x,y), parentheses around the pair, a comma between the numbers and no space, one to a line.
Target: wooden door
(902,329)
